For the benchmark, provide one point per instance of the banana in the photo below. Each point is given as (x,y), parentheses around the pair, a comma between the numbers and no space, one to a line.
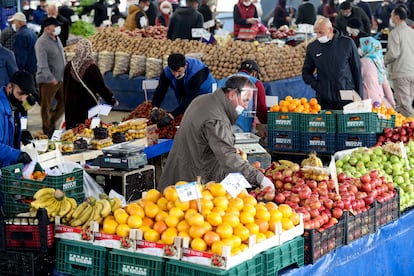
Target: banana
(44,201)
(82,218)
(107,208)
(27,214)
(286,162)
(72,202)
(80,209)
(89,219)
(68,216)
(116,203)
(98,209)
(44,191)
(65,208)
(54,208)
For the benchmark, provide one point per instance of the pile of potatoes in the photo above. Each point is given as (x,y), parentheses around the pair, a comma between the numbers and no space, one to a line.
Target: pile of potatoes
(130,53)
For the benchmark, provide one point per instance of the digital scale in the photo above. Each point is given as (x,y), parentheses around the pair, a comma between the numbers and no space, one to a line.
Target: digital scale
(122,156)
(249,143)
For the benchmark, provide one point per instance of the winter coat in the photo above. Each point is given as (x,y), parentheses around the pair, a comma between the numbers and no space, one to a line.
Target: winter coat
(24,49)
(204,144)
(7,65)
(182,21)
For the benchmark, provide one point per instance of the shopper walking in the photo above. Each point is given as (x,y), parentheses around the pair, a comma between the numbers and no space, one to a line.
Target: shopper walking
(7,65)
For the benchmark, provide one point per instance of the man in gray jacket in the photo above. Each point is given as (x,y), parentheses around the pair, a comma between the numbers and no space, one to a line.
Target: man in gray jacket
(50,66)
(400,61)
(204,144)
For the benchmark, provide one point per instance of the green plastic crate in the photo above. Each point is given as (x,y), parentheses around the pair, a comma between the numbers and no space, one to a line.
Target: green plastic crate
(284,121)
(81,258)
(251,267)
(321,123)
(131,263)
(284,255)
(363,123)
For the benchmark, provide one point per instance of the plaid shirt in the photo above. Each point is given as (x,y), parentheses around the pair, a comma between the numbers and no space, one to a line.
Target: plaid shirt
(7,38)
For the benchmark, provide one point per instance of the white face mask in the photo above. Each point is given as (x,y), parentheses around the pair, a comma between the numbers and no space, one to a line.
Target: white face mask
(391,23)
(352,31)
(247,3)
(323,39)
(145,8)
(360,53)
(26,7)
(239,108)
(165,11)
(14,27)
(180,77)
(57,30)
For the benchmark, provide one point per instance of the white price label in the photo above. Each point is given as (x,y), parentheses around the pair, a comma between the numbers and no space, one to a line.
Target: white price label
(56,135)
(234,183)
(188,191)
(332,171)
(96,121)
(23,123)
(404,155)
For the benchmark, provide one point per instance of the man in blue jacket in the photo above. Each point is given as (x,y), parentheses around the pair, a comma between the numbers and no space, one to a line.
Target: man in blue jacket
(189,78)
(20,86)
(24,44)
(336,61)
(7,65)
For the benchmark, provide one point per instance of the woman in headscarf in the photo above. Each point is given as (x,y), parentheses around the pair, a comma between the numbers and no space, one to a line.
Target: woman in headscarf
(83,84)
(166,10)
(376,86)
(281,15)
(244,15)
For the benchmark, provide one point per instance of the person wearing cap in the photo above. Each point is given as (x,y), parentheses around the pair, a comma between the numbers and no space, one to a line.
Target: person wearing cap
(52,11)
(50,66)
(20,86)
(183,20)
(188,77)
(250,69)
(353,29)
(24,44)
(205,145)
(7,65)
(347,11)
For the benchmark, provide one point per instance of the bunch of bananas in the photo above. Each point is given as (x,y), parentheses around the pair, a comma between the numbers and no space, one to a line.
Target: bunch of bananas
(55,202)
(312,168)
(286,164)
(93,210)
(312,161)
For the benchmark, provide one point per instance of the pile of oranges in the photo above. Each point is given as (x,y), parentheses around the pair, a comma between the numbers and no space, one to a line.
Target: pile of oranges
(388,112)
(223,220)
(302,105)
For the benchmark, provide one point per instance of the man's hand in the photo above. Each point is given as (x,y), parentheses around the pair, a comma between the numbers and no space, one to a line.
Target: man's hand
(166,120)
(24,158)
(266,182)
(155,115)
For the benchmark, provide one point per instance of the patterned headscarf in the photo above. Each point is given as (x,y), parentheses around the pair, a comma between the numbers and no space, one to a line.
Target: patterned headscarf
(372,49)
(82,59)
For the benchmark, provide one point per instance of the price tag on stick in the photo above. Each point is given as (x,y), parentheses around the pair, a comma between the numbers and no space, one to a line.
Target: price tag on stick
(334,176)
(189,192)
(234,183)
(404,155)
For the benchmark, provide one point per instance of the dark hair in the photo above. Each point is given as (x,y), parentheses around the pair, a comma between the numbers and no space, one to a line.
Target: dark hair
(401,12)
(345,5)
(237,82)
(176,61)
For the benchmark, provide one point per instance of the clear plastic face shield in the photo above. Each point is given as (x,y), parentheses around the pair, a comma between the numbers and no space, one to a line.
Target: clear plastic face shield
(249,99)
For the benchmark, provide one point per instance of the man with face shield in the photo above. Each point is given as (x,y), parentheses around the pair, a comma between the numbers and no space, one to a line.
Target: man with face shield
(188,78)
(205,143)
(19,89)
(335,59)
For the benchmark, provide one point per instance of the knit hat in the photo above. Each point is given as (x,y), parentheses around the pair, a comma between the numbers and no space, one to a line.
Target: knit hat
(25,81)
(354,23)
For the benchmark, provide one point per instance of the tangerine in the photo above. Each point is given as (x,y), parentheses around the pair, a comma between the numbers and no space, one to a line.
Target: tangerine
(217,247)
(198,244)
(162,202)
(135,209)
(217,189)
(147,221)
(151,209)
(221,201)
(160,226)
(210,237)
(151,235)
(183,226)
(196,231)
(170,193)
(232,219)
(246,217)
(236,203)
(121,216)
(224,230)
(196,219)
(188,213)
(287,224)
(295,218)
(109,226)
(161,216)
(122,230)
(184,206)
(249,199)
(134,221)
(176,212)
(242,232)
(168,235)
(253,228)
(152,195)
(286,210)
(214,218)
(263,214)
(172,220)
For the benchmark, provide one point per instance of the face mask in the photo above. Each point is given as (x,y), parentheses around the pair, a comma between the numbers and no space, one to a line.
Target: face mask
(360,53)
(165,11)
(239,108)
(323,39)
(247,3)
(26,7)
(336,2)
(14,27)
(57,30)
(180,77)
(352,31)
(145,8)
(348,15)
(391,23)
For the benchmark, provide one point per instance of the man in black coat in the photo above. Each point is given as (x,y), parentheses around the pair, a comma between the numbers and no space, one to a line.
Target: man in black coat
(306,13)
(336,61)
(66,11)
(183,20)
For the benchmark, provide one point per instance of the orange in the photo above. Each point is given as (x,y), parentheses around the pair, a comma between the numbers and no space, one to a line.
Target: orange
(246,217)
(176,212)
(206,204)
(232,219)
(260,237)
(184,206)
(188,213)
(269,234)
(161,216)
(151,235)
(134,221)
(183,226)
(151,209)
(271,206)
(184,234)
(217,247)
(217,189)
(207,226)
(263,225)
(313,101)
(198,244)
(221,201)
(275,215)
(196,231)
(249,208)
(195,219)
(170,205)
(210,237)
(109,226)
(205,212)
(108,218)
(295,218)
(170,193)
(193,204)
(152,195)
(249,199)
(168,235)
(121,216)
(263,214)
(144,228)
(179,183)
(135,209)
(123,230)
(287,224)
(283,103)
(160,226)
(236,240)
(214,218)
(303,100)
(288,98)
(224,230)
(218,210)
(284,109)
(172,221)
(243,247)
(286,210)
(242,232)
(162,202)
(253,228)
(207,195)
(236,203)
(291,107)
(235,251)
(147,221)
